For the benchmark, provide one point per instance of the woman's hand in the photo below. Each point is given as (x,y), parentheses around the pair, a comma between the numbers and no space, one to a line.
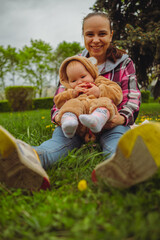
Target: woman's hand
(92,90)
(117,120)
(56,118)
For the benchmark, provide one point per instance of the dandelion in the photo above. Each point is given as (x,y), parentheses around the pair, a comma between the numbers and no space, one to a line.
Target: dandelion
(48,126)
(82,185)
(42,117)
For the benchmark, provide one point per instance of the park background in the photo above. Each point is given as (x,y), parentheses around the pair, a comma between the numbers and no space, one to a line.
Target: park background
(67,211)
(136,26)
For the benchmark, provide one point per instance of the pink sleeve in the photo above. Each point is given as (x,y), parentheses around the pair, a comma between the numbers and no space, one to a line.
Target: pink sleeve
(129,107)
(54,109)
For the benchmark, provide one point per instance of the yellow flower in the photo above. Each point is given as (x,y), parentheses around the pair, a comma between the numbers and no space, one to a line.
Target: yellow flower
(42,117)
(49,126)
(82,185)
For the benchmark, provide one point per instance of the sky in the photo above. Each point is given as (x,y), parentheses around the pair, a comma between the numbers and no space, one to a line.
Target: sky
(52,21)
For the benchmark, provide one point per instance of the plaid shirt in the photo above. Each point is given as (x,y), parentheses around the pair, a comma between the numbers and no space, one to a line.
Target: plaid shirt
(124,75)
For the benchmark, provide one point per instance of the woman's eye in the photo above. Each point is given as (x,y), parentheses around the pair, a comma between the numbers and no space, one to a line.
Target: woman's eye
(89,34)
(102,34)
(83,76)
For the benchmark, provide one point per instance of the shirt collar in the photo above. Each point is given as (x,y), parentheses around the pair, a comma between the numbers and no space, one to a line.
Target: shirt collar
(109,65)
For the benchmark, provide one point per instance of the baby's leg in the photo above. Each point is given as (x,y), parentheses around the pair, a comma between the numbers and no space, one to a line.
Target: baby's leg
(96,120)
(102,110)
(69,124)
(68,116)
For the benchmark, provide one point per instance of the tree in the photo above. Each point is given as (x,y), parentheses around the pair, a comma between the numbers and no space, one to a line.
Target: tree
(143,47)
(136,27)
(12,59)
(36,64)
(120,12)
(3,69)
(63,51)
(8,66)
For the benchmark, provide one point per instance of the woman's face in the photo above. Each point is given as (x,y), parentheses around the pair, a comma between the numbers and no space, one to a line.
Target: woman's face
(97,37)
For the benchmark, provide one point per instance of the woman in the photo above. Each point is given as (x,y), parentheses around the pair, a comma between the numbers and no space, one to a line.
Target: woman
(120,169)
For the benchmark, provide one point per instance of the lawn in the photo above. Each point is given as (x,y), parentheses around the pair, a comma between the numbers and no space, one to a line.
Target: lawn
(65,212)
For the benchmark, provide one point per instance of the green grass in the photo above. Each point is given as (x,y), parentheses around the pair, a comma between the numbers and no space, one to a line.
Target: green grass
(150,111)
(65,213)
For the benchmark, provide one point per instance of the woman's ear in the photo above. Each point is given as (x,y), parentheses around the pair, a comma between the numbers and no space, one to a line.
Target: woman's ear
(93,60)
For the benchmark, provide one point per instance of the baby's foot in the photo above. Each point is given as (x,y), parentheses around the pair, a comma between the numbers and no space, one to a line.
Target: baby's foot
(96,120)
(69,124)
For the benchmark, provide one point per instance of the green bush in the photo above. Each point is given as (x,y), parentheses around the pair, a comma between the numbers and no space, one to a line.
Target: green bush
(20,97)
(4,106)
(152,100)
(43,103)
(145,96)
(38,103)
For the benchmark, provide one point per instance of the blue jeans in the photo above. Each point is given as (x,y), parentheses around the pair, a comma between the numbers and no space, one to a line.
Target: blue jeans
(58,146)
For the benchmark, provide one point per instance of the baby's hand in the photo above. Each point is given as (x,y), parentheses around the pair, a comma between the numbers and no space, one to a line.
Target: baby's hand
(88,85)
(92,90)
(80,89)
(75,93)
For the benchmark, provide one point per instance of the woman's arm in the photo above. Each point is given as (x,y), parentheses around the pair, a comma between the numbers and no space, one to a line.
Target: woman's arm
(129,107)
(54,109)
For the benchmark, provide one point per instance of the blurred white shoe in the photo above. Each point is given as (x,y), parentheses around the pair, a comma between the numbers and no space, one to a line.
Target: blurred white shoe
(20,166)
(137,158)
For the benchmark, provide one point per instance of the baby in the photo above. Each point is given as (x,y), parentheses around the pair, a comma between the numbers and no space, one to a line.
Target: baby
(89,100)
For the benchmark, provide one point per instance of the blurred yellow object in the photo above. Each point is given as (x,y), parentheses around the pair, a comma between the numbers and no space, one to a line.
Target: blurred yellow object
(82,185)
(137,157)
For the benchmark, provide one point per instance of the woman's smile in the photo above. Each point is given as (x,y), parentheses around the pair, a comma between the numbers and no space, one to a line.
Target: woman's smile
(96,47)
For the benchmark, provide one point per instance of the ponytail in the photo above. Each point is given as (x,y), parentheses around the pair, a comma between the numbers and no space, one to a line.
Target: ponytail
(113,53)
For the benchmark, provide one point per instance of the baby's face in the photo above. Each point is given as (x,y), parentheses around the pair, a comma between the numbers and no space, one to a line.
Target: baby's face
(78,74)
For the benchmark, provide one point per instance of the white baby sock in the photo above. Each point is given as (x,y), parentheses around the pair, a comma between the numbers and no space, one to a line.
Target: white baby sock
(96,120)
(69,124)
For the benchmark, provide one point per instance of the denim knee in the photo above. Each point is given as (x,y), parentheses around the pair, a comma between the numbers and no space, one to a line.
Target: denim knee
(57,147)
(109,139)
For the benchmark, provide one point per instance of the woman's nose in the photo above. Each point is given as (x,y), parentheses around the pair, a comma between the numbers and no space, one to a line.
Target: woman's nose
(96,39)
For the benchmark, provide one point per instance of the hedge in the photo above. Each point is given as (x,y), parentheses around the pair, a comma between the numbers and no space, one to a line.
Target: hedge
(38,103)
(43,103)
(20,97)
(4,106)
(145,96)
